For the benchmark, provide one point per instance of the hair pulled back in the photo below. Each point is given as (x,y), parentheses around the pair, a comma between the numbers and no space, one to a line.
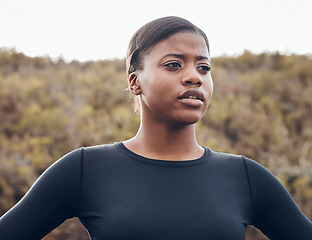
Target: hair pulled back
(153,32)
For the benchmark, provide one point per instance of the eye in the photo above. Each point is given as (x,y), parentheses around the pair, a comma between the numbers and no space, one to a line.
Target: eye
(173,66)
(204,68)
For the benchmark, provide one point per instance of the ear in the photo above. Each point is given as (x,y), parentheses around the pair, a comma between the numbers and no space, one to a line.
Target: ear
(134,85)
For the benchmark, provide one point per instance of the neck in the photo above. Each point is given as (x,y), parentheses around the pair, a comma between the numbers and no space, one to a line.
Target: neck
(160,141)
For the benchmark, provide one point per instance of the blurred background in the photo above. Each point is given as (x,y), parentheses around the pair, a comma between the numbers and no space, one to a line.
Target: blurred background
(62,86)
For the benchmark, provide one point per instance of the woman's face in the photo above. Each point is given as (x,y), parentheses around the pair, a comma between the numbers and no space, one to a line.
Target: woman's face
(175,85)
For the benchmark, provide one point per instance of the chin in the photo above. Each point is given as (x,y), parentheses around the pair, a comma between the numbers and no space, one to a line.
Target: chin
(191,115)
(188,120)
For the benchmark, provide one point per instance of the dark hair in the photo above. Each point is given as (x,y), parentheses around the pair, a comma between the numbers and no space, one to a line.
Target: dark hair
(153,32)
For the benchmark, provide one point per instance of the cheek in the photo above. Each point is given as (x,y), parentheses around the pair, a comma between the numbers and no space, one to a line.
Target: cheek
(209,87)
(153,82)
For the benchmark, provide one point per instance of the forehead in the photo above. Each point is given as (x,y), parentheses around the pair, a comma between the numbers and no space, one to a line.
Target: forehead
(185,43)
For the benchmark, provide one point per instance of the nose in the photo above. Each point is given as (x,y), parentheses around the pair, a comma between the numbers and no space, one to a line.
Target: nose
(192,77)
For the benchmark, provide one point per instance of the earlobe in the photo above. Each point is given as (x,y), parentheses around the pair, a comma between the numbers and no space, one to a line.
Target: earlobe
(134,85)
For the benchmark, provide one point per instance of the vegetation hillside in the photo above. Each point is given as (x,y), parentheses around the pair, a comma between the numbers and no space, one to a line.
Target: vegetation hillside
(261,108)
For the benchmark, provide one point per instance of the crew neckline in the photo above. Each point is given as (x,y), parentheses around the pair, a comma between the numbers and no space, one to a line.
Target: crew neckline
(165,163)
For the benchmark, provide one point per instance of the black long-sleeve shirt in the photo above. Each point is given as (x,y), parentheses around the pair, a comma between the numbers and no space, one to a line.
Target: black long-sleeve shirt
(119,195)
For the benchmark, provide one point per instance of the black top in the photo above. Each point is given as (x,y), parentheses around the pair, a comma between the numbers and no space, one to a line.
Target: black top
(118,194)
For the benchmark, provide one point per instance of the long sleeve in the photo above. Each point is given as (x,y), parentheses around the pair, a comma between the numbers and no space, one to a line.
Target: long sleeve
(51,200)
(276,214)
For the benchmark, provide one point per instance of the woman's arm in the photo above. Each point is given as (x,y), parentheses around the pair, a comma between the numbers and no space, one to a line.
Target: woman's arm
(51,200)
(275,212)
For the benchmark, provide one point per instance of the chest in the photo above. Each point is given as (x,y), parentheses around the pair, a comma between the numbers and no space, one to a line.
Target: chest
(165,204)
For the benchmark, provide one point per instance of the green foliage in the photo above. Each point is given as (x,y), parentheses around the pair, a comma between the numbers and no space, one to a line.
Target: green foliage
(261,108)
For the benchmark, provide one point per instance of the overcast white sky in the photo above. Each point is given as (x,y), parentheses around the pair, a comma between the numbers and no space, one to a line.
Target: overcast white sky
(101,29)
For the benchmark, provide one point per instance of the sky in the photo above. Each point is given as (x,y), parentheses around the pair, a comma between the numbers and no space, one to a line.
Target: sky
(86,30)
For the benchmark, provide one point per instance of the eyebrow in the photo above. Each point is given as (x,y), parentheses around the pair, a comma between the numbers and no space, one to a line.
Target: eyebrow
(181,56)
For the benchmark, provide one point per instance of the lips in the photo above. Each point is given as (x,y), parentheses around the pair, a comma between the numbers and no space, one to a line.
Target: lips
(192,94)
(192,97)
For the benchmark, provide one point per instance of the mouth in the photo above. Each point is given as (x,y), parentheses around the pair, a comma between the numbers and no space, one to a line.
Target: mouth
(192,97)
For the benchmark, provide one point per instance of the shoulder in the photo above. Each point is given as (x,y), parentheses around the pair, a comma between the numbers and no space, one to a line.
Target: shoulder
(230,166)
(100,152)
(229,158)
(225,158)
(223,155)
(255,169)
(244,166)
(101,158)
(101,149)
(67,163)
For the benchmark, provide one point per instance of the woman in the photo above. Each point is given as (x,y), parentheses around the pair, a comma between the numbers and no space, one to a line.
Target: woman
(160,184)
